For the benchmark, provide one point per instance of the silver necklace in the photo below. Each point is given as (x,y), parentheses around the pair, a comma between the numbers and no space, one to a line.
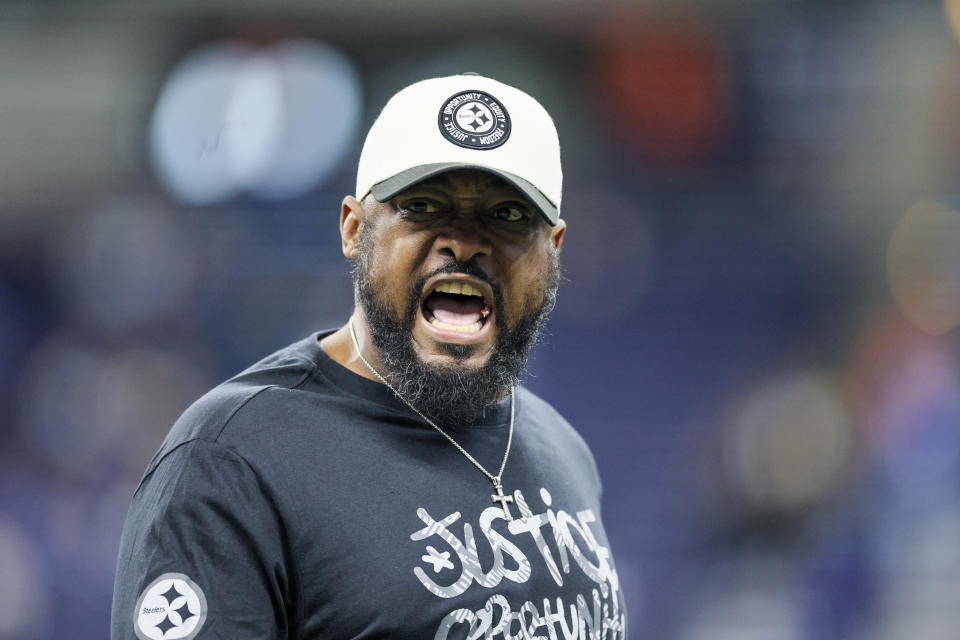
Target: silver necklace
(500,497)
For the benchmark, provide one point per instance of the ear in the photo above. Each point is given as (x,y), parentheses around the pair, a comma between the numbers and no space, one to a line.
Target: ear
(557,233)
(351,215)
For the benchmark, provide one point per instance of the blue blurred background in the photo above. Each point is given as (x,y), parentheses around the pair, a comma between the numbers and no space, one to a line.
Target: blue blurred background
(757,333)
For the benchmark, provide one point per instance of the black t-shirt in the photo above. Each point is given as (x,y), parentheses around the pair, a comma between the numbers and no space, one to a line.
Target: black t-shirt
(300,500)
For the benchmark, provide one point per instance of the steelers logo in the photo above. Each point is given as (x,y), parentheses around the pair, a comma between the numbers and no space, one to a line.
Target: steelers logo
(475,120)
(172,607)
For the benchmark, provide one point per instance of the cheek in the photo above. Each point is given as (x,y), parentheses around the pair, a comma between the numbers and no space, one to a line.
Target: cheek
(392,268)
(528,285)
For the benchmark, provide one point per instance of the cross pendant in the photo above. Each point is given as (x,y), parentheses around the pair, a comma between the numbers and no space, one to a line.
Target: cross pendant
(504,500)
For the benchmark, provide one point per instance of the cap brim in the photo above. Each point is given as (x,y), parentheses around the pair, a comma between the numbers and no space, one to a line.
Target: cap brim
(390,187)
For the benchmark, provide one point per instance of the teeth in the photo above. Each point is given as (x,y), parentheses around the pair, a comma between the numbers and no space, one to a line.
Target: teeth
(460,288)
(448,287)
(470,328)
(469,290)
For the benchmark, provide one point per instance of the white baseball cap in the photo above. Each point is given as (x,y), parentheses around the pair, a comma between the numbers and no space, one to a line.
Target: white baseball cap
(463,122)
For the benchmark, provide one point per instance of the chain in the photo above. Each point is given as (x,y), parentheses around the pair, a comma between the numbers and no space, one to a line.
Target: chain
(495,479)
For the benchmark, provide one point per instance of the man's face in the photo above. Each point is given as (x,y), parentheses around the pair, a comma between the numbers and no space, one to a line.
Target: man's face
(456,276)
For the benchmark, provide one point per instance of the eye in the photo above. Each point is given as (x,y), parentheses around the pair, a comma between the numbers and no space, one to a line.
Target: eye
(510,212)
(422,205)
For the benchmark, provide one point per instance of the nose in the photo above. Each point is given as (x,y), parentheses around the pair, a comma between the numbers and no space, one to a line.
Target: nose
(463,239)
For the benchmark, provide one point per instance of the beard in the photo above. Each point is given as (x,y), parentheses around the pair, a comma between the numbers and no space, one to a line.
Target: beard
(454,394)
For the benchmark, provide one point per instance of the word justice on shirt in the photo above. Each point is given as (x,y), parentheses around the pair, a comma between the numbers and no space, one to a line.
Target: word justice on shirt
(593,616)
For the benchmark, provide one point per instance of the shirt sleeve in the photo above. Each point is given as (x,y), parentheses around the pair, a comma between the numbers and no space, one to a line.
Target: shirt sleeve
(202,553)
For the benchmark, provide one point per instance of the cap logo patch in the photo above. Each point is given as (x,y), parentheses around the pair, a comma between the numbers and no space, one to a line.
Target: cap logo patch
(475,120)
(172,607)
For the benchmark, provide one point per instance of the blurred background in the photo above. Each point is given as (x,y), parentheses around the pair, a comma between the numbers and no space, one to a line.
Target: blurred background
(757,333)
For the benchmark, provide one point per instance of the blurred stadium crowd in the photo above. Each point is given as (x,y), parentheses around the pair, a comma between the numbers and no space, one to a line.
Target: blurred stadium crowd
(757,331)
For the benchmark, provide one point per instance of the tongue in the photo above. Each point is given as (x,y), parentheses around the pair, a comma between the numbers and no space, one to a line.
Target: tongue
(462,311)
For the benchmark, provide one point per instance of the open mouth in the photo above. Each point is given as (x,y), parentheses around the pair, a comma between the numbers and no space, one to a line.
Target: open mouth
(455,305)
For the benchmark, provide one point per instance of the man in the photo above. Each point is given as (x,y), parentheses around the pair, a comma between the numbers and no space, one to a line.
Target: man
(390,478)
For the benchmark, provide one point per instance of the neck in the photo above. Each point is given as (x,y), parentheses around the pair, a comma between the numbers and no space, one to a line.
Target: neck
(339,346)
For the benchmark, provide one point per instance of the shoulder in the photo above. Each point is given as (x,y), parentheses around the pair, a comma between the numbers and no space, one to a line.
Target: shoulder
(537,410)
(194,467)
(214,416)
(553,432)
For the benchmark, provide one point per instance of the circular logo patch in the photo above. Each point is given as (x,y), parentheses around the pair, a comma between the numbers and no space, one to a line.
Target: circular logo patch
(475,120)
(173,607)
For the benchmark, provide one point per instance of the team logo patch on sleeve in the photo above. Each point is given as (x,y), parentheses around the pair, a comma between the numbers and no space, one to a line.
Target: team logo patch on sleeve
(475,120)
(172,607)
